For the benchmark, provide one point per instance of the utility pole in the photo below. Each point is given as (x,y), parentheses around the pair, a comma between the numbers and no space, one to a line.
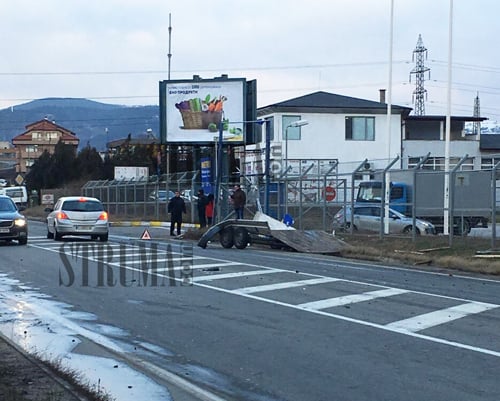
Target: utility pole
(419,71)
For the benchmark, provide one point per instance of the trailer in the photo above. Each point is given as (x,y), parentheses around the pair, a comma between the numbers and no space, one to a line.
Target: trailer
(263,229)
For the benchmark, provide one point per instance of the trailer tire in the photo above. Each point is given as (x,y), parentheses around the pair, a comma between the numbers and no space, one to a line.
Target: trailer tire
(226,237)
(462,227)
(241,237)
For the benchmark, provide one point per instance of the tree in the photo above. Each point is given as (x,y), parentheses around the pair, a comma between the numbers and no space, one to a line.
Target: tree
(63,167)
(38,176)
(89,164)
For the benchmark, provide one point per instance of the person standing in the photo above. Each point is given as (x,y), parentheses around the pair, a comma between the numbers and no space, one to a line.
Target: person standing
(202,204)
(176,207)
(209,209)
(239,199)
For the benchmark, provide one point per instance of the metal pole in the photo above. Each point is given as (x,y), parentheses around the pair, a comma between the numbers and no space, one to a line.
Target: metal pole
(286,169)
(384,205)
(169,43)
(448,129)
(267,174)
(452,198)
(353,175)
(389,89)
(494,205)
(218,174)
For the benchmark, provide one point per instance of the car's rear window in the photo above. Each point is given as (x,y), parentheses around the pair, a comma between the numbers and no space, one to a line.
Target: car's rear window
(82,206)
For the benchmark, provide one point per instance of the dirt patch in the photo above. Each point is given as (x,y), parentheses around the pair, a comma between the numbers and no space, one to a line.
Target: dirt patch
(23,378)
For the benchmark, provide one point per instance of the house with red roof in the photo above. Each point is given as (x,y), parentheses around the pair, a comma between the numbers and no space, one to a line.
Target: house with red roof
(39,137)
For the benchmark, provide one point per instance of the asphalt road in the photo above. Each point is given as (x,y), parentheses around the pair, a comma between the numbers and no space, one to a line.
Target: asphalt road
(258,324)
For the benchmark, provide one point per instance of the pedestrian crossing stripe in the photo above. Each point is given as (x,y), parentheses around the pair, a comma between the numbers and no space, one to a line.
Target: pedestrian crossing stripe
(145,234)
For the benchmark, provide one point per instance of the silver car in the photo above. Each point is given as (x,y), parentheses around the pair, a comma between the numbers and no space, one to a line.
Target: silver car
(78,215)
(367,217)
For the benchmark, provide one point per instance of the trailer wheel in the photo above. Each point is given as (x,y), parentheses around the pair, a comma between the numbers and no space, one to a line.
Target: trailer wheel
(241,237)
(462,226)
(226,237)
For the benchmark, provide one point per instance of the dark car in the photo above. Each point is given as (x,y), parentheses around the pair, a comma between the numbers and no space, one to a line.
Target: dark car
(13,225)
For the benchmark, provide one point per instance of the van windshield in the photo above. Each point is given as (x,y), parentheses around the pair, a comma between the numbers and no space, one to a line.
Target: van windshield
(6,205)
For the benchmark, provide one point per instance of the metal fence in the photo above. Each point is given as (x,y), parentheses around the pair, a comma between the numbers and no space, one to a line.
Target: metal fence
(307,194)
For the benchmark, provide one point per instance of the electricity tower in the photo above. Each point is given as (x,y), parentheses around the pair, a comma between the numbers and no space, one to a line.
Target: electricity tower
(476,127)
(419,71)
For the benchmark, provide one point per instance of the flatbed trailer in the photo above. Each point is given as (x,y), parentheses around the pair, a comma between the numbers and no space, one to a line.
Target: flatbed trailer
(266,230)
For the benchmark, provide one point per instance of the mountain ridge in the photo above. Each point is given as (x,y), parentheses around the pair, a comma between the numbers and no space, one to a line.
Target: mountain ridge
(94,123)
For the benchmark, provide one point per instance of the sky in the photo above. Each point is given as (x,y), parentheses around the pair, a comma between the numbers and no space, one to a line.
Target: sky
(116,51)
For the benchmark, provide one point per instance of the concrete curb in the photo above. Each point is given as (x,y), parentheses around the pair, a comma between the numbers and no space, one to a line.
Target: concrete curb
(153,223)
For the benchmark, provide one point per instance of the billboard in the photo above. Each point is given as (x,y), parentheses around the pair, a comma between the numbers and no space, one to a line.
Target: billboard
(191,111)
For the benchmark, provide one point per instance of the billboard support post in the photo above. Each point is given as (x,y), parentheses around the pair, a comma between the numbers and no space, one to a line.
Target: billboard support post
(218,174)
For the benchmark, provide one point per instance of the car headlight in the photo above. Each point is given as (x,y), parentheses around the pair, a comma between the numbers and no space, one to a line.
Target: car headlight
(20,222)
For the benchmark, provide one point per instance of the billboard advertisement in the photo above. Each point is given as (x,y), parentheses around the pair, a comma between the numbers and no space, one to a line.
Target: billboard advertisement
(191,111)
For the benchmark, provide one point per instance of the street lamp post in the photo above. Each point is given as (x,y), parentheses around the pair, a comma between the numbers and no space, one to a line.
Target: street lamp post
(298,123)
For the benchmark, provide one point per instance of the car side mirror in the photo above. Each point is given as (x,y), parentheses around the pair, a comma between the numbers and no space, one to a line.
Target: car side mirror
(21,208)
(48,210)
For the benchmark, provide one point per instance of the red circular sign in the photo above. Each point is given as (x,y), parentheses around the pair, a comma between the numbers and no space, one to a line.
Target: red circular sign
(330,193)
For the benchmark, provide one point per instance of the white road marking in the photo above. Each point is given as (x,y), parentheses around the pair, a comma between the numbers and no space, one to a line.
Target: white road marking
(351,299)
(233,275)
(198,281)
(288,284)
(431,319)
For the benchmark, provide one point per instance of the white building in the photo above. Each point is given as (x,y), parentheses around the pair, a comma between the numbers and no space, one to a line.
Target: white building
(340,128)
(350,130)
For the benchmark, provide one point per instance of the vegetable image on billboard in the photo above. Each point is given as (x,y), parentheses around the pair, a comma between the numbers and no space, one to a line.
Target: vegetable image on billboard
(195,110)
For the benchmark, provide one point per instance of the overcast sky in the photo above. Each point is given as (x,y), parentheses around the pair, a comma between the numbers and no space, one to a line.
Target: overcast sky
(115,51)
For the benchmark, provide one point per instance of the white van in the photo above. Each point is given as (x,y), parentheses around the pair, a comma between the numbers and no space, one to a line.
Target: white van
(18,195)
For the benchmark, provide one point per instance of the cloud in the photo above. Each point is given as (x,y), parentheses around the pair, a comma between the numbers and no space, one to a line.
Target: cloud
(290,47)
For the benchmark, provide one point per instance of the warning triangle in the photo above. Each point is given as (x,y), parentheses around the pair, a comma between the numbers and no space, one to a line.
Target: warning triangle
(145,234)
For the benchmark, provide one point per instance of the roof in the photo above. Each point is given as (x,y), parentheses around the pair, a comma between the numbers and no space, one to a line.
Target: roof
(489,142)
(45,125)
(443,118)
(132,141)
(325,102)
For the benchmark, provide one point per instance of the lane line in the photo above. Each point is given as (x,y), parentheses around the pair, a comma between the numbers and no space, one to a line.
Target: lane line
(431,319)
(397,330)
(351,299)
(233,275)
(288,284)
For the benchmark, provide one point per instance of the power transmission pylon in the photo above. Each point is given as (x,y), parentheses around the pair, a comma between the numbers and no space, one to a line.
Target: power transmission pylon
(419,71)
(476,127)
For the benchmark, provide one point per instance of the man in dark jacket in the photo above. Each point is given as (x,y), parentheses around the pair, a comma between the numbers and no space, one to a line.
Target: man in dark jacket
(239,199)
(176,207)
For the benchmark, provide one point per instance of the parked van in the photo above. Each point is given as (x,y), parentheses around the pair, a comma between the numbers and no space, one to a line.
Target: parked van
(18,194)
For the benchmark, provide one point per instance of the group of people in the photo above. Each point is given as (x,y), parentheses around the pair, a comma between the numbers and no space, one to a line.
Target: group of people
(205,206)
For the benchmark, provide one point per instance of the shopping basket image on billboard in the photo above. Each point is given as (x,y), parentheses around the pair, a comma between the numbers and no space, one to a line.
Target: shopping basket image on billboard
(200,119)
(201,113)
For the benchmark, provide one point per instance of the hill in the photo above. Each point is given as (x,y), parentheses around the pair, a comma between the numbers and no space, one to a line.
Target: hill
(93,122)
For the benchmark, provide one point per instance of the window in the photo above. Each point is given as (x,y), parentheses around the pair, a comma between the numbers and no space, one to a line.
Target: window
(438,163)
(31,148)
(488,163)
(290,133)
(360,128)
